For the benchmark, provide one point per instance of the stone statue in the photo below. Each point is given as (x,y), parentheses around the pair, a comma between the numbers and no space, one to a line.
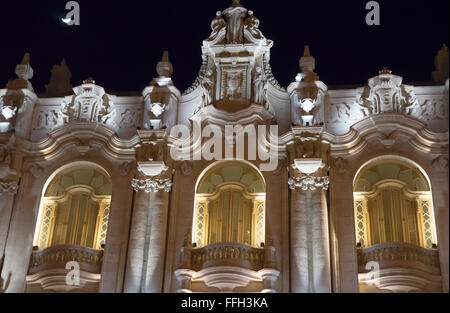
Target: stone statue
(217,25)
(260,85)
(235,27)
(59,81)
(252,24)
(207,86)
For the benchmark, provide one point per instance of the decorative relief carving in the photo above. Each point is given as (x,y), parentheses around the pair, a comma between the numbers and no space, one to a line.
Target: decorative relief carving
(36,170)
(341,165)
(129,119)
(260,87)
(233,79)
(90,104)
(152,185)
(385,93)
(125,168)
(186,168)
(441,163)
(8,187)
(309,183)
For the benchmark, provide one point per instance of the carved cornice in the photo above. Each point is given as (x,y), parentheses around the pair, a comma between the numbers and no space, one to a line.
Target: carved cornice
(84,135)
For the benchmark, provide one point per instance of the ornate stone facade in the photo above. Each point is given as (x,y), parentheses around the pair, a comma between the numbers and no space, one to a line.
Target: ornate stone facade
(151,190)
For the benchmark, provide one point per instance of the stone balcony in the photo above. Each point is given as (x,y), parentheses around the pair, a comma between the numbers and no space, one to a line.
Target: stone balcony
(399,255)
(227,267)
(228,254)
(57,257)
(399,267)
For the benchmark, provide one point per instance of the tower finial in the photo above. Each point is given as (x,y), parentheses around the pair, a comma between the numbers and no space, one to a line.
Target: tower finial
(307,62)
(164,67)
(306,52)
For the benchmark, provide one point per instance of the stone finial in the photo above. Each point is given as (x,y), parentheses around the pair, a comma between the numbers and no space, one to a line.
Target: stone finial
(59,81)
(440,75)
(385,71)
(307,62)
(90,80)
(236,3)
(24,72)
(164,67)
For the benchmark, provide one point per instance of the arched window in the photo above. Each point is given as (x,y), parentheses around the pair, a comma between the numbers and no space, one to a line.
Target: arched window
(75,209)
(393,203)
(230,206)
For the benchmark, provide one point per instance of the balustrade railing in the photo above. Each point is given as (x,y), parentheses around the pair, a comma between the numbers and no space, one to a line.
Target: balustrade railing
(399,255)
(57,257)
(227,254)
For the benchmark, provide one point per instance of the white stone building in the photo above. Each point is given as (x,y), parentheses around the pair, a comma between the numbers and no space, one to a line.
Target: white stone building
(357,200)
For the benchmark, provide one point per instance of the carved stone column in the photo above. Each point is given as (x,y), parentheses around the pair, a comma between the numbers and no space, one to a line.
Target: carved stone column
(8,191)
(153,280)
(148,239)
(299,244)
(310,256)
(320,242)
(440,189)
(140,225)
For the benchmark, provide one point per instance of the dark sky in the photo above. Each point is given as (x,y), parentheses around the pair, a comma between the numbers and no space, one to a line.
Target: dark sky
(120,42)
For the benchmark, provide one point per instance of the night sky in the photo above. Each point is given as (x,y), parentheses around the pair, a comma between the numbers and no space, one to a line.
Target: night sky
(120,42)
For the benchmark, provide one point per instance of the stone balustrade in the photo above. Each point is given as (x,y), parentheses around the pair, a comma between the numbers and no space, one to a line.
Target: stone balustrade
(228,254)
(57,257)
(389,255)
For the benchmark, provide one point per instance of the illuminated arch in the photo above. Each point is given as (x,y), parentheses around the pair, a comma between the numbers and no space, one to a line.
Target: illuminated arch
(75,207)
(229,205)
(393,203)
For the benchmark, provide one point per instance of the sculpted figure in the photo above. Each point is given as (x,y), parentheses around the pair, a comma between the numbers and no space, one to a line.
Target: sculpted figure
(252,24)
(235,27)
(260,85)
(217,25)
(207,85)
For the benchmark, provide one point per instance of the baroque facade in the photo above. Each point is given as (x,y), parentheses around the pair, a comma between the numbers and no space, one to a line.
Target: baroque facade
(357,199)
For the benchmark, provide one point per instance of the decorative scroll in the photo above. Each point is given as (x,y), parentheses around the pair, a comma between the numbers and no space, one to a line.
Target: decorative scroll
(152,185)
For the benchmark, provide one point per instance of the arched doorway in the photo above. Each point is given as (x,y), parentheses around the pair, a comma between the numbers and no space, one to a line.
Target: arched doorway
(228,250)
(393,203)
(230,206)
(71,230)
(395,228)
